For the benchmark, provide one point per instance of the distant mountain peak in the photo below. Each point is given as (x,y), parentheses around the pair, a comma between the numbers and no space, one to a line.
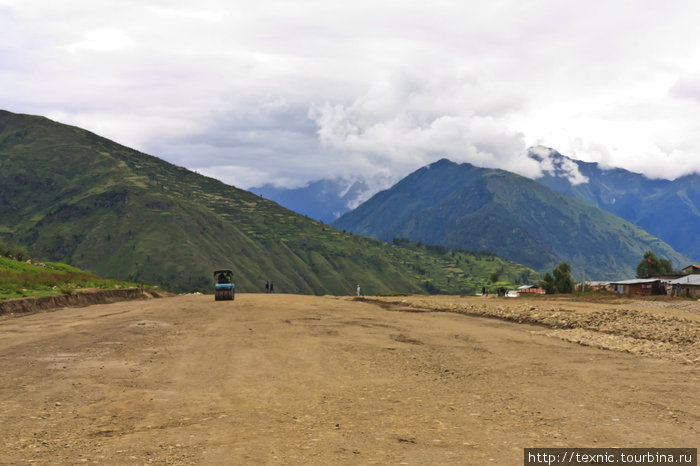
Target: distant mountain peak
(442,162)
(541,153)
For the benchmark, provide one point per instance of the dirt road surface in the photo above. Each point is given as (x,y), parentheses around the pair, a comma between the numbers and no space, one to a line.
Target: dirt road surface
(286,379)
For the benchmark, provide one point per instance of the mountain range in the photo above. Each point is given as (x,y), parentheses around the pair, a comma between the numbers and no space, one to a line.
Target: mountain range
(460,205)
(70,195)
(667,209)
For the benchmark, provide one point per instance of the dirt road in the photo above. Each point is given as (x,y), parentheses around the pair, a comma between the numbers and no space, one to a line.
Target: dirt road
(284,379)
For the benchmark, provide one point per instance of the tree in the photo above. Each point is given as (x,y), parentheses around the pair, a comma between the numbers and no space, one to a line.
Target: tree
(652,265)
(17,253)
(547,283)
(561,282)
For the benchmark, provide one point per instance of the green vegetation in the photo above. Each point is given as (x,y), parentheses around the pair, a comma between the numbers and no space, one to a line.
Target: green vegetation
(22,279)
(459,271)
(652,265)
(18,253)
(75,197)
(559,281)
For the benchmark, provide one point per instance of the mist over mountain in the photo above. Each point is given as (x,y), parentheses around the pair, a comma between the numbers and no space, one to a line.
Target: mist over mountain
(516,217)
(669,209)
(323,200)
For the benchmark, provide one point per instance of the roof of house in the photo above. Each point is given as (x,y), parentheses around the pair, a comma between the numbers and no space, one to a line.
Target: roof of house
(693,266)
(667,276)
(636,281)
(687,280)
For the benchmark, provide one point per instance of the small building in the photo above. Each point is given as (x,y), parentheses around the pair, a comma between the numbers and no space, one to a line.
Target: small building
(592,286)
(639,286)
(691,270)
(688,286)
(531,289)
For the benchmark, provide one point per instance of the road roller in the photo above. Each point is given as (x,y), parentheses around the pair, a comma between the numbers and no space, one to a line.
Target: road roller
(224,289)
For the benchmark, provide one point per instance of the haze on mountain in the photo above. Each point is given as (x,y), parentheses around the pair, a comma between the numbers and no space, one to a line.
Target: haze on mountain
(70,195)
(323,200)
(460,205)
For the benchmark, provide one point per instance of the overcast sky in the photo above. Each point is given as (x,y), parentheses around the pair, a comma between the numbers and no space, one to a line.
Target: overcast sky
(291,91)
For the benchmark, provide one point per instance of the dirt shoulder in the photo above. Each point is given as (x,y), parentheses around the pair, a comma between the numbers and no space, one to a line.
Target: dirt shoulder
(668,329)
(78,298)
(286,379)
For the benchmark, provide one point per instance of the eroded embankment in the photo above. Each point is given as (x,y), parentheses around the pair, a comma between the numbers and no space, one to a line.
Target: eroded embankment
(77,299)
(615,328)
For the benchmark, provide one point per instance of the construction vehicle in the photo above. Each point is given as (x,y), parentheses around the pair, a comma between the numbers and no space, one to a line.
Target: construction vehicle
(224,289)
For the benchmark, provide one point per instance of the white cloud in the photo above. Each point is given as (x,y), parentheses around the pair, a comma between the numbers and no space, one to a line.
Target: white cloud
(287,92)
(102,40)
(415,121)
(554,164)
(211,16)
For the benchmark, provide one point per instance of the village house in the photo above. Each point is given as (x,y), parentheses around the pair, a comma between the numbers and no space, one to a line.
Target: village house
(688,286)
(639,286)
(531,289)
(691,270)
(592,286)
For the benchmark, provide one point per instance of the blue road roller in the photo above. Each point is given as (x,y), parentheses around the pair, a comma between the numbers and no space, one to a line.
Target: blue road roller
(224,290)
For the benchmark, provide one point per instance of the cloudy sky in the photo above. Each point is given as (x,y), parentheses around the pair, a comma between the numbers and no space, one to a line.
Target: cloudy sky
(286,92)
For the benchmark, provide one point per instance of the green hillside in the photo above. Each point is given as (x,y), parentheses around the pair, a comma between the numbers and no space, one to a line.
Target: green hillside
(516,217)
(22,279)
(73,196)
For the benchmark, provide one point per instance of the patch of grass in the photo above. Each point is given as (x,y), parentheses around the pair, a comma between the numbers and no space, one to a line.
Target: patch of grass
(22,280)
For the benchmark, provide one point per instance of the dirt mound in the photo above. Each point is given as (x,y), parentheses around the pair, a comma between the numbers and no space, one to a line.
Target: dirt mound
(78,299)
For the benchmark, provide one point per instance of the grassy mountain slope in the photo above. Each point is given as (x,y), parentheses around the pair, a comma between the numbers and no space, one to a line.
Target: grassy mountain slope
(518,218)
(73,196)
(674,215)
(667,209)
(21,279)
